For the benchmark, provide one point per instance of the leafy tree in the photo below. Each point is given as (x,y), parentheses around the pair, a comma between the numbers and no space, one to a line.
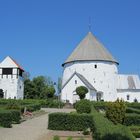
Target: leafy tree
(50,92)
(38,88)
(59,85)
(81,91)
(29,89)
(39,85)
(116,111)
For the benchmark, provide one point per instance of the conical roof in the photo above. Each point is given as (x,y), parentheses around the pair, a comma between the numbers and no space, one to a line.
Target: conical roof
(90,49)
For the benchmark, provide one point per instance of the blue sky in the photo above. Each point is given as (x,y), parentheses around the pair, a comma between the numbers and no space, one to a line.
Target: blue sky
(41,34)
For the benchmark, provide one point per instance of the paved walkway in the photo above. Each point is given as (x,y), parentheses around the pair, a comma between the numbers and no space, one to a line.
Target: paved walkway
(31,129)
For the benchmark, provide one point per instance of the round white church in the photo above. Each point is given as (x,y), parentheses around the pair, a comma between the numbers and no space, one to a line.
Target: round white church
(91,65)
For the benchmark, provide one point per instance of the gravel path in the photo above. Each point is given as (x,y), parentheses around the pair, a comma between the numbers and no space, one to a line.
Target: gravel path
(31,129)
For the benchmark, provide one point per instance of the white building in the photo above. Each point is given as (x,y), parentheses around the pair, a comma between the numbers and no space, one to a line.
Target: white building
(91,65)
(11,81)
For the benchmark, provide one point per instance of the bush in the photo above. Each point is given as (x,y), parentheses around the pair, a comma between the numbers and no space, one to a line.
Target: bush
(15,115)
(51,103)
(81,91)
(132,110)
(56,138)
(67,121)
(5,118)
(31,107)
(12,105)
(133,105)
(116,111)
(86,132)
(132,119)
(103,129)
(83,106)
(135,131)
(69,138)
(99,105)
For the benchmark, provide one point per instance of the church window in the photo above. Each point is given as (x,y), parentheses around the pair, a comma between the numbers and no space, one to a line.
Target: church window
(128,97)
(7,71)
(95,66)
(75,81)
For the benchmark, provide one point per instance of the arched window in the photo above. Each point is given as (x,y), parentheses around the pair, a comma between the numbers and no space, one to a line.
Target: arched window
(75,81)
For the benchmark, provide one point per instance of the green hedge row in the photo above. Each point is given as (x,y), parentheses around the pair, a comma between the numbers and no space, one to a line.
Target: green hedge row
(135,131)
(132,110)
(103,129)
(30,107)
(133,105)
(99,105)
(51,103)
(67,121)
(16,116)
(132,119)
(7,117)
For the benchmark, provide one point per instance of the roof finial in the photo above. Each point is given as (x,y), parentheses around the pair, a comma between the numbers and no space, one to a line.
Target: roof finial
(89,24)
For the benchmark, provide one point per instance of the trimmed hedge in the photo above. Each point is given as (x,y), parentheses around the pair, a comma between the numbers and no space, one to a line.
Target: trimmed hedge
(132,119)
(133,105)
(67,121)
(31,107)
(83,106)
(5,118)
(99,105)
(103,129)
(135,131)
(15,115)
(51,103)
(132,110)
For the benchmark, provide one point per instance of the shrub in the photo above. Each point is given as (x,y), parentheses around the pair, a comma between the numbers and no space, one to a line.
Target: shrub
(103,129)
(132,110)
(15,115)
(67,121)
(31,107)
(86,132)
(81,91)
(133,105)
(51,103)
(69,138)
(83,106)
(116,111)
(13,105)
(135,131)
(99,105)
(132,119)
(56,138)
(5,118)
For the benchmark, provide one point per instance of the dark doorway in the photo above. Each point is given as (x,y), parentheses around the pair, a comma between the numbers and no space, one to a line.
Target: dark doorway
(1,93)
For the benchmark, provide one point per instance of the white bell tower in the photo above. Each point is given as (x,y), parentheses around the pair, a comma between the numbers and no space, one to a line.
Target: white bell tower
(11,79)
